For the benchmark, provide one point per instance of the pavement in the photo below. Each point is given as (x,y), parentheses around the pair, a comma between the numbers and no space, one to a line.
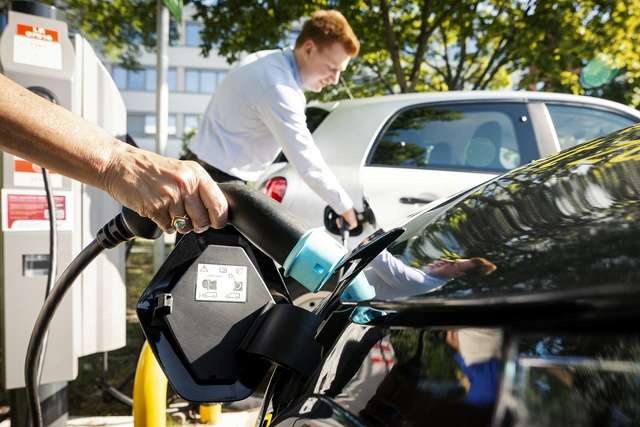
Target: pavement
(227,419)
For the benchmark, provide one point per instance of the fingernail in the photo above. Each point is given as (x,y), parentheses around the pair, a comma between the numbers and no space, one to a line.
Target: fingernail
(201,229)
(170,230)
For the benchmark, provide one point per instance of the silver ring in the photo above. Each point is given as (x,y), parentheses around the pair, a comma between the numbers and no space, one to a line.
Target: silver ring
(180,222)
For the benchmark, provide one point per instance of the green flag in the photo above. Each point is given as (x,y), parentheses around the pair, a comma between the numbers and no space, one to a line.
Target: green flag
(175,8)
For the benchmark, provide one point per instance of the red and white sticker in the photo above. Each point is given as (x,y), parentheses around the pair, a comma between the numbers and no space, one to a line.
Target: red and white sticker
(26,210)
(37,46)
(27,174)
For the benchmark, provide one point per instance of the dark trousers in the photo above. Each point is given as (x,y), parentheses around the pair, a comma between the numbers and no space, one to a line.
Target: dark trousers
(215,173)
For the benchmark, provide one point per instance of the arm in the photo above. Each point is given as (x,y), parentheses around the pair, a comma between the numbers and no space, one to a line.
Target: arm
(154,186)
(282,110)
(403,279)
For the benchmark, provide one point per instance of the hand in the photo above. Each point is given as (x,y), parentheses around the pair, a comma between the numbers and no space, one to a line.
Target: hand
(452,340)
(161,188)
(350,217)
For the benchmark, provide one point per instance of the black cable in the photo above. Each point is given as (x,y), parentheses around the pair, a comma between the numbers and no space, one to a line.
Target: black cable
(53,235)
(42,325)
(123,227)
(53,260)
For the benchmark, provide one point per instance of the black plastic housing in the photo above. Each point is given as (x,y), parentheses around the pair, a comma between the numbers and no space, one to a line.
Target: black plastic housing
(219,351)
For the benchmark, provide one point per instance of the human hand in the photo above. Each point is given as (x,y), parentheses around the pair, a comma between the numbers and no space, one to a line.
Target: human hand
(350,217)
(162,188)
(452,339)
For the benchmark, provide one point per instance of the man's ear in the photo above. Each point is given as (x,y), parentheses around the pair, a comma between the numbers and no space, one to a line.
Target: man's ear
(308,46)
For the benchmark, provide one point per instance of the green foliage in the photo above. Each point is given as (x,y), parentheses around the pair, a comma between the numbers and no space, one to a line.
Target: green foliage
(411,46)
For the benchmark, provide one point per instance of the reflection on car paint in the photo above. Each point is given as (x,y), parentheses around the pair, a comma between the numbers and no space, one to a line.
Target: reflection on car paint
(397,376)
(586,380)
(506,223)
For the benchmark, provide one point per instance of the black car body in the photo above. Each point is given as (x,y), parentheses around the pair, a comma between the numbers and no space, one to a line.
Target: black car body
(546,333)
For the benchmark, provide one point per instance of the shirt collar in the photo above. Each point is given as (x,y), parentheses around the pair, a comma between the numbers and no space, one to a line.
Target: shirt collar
(288,53)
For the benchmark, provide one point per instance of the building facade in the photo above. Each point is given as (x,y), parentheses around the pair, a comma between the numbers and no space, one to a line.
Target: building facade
(192,79)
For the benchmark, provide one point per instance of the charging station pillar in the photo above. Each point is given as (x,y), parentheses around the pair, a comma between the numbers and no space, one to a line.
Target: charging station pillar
(37,52)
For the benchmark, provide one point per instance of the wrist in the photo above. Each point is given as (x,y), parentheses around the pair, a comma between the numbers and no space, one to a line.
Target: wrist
(112,167)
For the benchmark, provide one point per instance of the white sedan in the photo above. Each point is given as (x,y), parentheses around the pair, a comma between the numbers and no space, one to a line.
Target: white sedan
(398,153)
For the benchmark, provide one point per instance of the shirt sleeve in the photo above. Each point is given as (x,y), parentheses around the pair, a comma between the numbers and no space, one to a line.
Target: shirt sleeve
(282,110)
(404,280)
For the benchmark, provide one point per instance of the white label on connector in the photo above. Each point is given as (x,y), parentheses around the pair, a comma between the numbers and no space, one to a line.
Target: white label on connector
(224,283)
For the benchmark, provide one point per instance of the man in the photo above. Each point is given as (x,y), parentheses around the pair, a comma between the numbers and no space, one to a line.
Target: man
(259,109)
(154,186)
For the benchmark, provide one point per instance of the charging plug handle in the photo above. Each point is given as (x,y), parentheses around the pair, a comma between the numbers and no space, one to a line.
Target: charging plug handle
(262,220)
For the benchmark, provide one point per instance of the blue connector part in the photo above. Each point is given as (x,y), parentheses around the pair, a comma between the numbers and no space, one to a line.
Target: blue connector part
(313,259)
(364,315)
(358,290)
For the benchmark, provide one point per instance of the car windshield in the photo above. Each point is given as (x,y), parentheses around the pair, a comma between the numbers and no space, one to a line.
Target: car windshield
(570,221)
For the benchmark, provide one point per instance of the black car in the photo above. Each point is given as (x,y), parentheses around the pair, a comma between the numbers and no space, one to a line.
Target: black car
(513,303)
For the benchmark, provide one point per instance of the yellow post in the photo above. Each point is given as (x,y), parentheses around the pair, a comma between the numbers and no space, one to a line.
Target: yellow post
(210,413)
(149,391)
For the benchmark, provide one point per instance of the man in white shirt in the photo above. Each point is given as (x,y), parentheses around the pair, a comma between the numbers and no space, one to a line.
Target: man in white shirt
(259,109)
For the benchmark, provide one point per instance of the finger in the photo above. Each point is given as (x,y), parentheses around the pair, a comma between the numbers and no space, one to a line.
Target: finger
(197,212)
(178,210)
(163,220)
(214,201)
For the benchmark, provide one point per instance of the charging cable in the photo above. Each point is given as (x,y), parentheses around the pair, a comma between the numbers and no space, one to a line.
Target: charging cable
(123,227)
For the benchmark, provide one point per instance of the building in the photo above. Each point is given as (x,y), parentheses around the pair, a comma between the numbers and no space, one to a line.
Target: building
(192,80)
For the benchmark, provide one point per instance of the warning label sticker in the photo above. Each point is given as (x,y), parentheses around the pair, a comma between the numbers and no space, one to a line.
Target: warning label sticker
(26,210)
(37,46)
(27,174)
(225,283)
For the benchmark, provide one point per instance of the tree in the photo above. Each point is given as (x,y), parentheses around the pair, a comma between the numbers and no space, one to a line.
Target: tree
(411,46)
(564,36)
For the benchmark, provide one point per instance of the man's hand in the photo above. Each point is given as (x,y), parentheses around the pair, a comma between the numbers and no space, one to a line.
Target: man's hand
(351,218)
(162,188)
(452,339)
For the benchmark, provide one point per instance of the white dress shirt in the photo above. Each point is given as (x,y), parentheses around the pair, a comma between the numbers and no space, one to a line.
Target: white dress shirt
(392,278)
(258,110)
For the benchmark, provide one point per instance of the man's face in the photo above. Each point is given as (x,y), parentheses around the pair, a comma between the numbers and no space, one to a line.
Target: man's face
(321,67)
(450,269)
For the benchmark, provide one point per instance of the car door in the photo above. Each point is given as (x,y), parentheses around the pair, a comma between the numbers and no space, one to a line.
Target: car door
(426,152)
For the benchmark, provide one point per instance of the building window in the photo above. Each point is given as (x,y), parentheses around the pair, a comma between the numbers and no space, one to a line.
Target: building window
(150,124)
(141,125)
(136,80)
(192,35)
(135,125)
(202,81)
(191,123)
(142,80)
(120,77)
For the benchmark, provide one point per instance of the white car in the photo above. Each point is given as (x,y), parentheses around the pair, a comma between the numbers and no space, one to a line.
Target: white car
(398,153)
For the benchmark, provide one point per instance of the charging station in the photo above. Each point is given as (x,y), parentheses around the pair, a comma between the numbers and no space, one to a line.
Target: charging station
(37,52)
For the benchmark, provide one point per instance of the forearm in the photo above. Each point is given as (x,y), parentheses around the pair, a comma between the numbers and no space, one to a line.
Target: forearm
(52,137)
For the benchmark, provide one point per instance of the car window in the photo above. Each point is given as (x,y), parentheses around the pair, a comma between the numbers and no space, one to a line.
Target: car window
(577,124)
(491,136)
(315,116)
